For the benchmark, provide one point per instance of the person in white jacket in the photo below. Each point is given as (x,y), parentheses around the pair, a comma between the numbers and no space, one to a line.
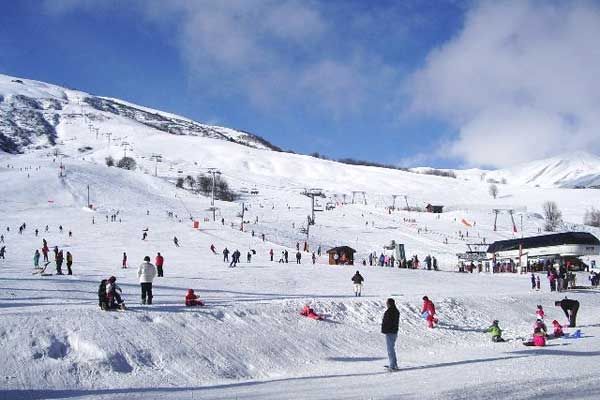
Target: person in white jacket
(146,273)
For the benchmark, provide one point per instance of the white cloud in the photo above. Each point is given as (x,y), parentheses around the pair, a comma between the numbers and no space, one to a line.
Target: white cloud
(520,81)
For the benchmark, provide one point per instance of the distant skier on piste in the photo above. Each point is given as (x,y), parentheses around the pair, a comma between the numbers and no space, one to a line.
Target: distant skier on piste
(358,280)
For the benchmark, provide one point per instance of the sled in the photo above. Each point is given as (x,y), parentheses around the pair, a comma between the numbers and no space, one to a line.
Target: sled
(575,335)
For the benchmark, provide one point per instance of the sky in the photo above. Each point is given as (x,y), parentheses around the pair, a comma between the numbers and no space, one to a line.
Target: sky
(446,83)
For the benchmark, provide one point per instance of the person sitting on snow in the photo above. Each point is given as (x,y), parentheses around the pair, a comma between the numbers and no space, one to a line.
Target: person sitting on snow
(558,330)
(496,332)
(192,300)
(113,293)
(310,313)
(539,324)
(538,340)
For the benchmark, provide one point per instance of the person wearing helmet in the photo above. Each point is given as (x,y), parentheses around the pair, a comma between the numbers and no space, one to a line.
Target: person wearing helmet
(496,332)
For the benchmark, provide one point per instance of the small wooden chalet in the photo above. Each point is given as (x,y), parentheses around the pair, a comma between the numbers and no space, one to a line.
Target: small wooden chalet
(342,255)
(434,209)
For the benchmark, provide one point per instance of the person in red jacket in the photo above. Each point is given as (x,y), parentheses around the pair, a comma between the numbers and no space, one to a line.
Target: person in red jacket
(429,308)
(558,329)
(192,300)
(159,264)
(310,313)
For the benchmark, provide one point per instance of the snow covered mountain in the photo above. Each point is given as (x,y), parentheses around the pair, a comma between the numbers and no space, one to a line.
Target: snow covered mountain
(570,170)
(32,111)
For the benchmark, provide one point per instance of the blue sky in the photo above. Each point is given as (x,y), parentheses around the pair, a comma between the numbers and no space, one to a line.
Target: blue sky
(399,82)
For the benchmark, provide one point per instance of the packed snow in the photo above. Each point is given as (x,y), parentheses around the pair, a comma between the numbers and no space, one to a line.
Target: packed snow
(249,341)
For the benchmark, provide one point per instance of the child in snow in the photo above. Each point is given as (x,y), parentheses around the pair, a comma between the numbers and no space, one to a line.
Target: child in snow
(310,313)
(558,330)
(113,293)
(429,311)
(539,313)
(192,300)
(496,332)
(539,324)
(538,340)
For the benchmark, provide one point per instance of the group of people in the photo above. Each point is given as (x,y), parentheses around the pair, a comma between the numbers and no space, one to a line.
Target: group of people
(59,259)
(387,260)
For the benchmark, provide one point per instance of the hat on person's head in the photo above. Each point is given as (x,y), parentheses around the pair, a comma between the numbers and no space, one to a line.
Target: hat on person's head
(112,279)
(147,258)
(425,298)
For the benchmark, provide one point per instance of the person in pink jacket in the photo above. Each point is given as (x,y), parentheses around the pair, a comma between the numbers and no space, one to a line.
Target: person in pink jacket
(429,309)
(310,313)
(538,340)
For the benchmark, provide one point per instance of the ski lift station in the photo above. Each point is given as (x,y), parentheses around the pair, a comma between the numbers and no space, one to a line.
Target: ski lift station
(565,245)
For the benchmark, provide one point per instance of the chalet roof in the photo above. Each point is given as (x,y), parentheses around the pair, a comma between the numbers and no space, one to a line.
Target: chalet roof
(341,248)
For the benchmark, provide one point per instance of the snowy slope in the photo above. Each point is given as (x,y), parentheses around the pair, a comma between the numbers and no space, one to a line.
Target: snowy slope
(32,111)
(249,341)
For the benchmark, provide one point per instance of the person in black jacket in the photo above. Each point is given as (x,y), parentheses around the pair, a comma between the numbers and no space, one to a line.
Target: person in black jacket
(570,308)
(389,327)
(358,280)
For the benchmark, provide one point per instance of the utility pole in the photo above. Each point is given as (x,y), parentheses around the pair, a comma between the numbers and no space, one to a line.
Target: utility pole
(406,200)
(97,130)
(108,134)
(124,144)
(88,193)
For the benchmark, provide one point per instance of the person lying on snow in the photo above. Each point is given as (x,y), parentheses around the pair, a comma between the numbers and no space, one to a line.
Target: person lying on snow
(558,330)
(496,332)
(310,313)
(538,340)
(192,300)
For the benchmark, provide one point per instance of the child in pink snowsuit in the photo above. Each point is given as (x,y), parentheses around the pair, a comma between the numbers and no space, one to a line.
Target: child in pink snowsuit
(429,308)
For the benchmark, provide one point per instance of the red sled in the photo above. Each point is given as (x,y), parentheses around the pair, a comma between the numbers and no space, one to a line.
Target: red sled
(310,313)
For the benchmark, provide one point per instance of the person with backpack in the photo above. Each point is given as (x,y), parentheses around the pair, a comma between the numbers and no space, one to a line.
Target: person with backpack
(159,261)
(146,274)
(358,280)
(389,327)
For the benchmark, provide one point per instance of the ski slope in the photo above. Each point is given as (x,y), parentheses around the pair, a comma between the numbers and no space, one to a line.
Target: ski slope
(249,342)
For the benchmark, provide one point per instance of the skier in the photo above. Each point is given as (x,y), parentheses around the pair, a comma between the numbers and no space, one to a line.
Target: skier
(45,252)
(124,262)
(570,308)
(2,251)
(176,241)
(314,258)
(213,249)
(192,300)
(429,310)
(285,255)
(144,235)
(271,254)
(226,255)
(113,294)
(69,263)
(389,327)
(146,273)
(60,229)
(298,257)
(159,261)
(358,280)
(496,332)
(36,232)
(249,257)
(70,233)
(36,259)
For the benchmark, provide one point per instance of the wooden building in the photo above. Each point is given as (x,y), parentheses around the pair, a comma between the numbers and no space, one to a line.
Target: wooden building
(342,255)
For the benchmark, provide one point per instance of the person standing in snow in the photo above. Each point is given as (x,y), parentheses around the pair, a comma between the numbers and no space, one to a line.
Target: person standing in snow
(159,261)
(124,262)
(146,274)
(271,254)
(389,327)
(285,255)
(429,308)
(314,258)
(537,282)
(532,281)
(213,249)
(298,257)
(249,257)
(226,255)
(59,260)
(36,259)
(358,280)
(69,263)
(2,252)
(176,241)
